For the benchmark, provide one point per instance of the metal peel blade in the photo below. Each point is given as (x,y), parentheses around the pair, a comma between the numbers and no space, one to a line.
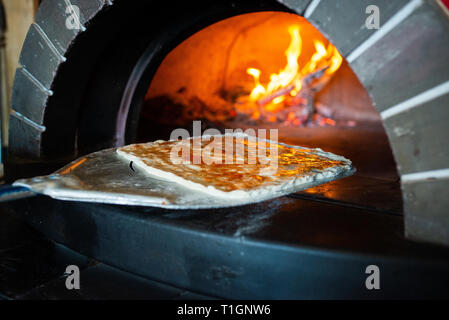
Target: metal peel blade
(105,177)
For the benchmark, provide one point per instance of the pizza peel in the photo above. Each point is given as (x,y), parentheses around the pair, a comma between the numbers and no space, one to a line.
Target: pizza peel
(106,177)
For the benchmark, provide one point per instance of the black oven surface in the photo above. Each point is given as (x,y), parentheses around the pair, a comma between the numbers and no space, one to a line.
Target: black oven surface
(285,248)
(32,267)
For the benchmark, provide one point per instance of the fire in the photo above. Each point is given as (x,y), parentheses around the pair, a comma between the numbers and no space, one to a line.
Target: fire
(288,75)
(259,89)
(284,88)
(284,78)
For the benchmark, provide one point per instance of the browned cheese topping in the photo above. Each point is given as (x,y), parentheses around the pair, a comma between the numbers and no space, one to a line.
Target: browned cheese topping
(241,173)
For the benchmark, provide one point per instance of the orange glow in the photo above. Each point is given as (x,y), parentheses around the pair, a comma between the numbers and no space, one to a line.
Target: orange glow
(73,166)
(330,121)
(256,115)
(257,68)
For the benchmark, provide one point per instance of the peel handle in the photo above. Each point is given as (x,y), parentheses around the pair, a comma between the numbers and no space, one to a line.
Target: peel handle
(9,193)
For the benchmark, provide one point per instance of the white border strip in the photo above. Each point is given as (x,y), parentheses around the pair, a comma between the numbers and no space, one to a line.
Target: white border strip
(400,16)
(311,8)
(30,122)
(417,100)
(425,175)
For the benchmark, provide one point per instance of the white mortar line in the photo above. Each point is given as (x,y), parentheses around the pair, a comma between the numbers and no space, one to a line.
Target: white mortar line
(417,100)
(439,174)
(400,16)
(30,122)
(310,8)
(33,79)
(49,43)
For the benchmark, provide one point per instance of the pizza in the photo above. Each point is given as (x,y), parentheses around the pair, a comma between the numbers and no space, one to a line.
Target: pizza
(236,166)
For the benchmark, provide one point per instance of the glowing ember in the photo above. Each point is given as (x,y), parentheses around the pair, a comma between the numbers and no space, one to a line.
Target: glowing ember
(288,96)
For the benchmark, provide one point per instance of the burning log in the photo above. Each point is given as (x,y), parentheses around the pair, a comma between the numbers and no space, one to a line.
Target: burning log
(306,81)
(289,97)
(281,92)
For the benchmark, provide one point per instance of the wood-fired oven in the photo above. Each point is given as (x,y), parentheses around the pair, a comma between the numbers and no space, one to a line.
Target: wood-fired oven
(136,70)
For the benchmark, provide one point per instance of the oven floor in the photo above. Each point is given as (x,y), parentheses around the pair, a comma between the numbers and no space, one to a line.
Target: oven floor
(287,248)
(374,186)
(366,146)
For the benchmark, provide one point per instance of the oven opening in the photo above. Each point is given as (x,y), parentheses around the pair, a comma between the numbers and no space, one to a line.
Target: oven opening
(275,70)
(261,69)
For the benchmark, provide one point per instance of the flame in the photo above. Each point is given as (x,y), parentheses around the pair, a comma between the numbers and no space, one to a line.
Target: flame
(290,79)
(336,61)
(259,89)
(285,76)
